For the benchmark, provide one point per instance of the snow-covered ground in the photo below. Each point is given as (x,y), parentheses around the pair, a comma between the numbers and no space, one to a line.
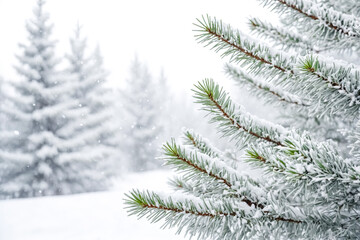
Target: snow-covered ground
(91,216)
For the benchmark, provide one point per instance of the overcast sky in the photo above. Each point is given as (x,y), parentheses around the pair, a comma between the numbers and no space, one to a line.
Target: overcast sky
(158,31)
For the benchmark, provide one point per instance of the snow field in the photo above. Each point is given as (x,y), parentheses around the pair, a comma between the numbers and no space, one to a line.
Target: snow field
(90,216)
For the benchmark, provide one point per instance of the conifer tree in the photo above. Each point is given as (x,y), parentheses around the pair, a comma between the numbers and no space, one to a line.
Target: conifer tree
(143,106)
(2,99)
(306,188)
(90,132)
(36,157)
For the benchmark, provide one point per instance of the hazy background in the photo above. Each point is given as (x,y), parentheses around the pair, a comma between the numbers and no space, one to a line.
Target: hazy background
(159,31)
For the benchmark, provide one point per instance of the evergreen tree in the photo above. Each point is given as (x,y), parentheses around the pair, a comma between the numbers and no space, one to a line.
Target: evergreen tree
(306,188)
(37,159)
(2,99)
(90,133)
(5,129)
(143,106)
(164,119)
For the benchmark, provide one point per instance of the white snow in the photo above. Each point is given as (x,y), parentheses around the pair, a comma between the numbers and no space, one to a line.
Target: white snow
(90,216)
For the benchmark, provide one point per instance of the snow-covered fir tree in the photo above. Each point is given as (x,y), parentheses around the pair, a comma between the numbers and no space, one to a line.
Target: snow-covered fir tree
(305,187)
(2,98)
(91,131)
(5,129)
(39,157)
(142,105)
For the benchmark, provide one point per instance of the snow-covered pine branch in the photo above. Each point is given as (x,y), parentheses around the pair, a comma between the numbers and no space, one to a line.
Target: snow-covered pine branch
(302,152)
(283,71)
(190,213)
(280,36)
(212,218)
(198,142)
(324,23)
(333,86)
(304,162)
(308,184)
(258,58)
(231,118)
(262,89)
(345,6)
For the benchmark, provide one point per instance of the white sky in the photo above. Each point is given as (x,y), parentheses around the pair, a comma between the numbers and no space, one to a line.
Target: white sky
(159,31)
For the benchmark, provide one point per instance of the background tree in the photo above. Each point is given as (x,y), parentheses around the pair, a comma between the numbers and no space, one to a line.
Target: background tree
(143,104)
(92,130)
(306,188)
(36,157)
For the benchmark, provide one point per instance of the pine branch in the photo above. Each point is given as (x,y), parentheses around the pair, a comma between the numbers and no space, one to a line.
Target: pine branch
(310,190)
(331,25)
(312,65)
(263,89)
(178,157)
(195,140)
(232,119)
(281,36)
(154,201)
(204,146)
(317,165)
(141,202)
(338,83)
(198,187)
(258,58)
(320,21)
(202,187)
(212,169)
(201,218)
(277,165)
(299,149)
(345,6)
(193,162)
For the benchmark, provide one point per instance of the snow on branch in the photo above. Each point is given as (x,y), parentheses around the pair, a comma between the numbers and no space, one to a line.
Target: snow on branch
(190,212)
(319,19)
(201,216)
(178,157)
(232,119)
(332,86)
(288,72)
(190,162)
(262,89)
(281,36)
(345,6)
(318,165)
(241,49)
(198,187)
(199,143)
(203,145)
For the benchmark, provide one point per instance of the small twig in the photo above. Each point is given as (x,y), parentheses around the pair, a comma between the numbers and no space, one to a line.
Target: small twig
(250,54)
(244,199)
(218,214)
(268,139)
(336,85)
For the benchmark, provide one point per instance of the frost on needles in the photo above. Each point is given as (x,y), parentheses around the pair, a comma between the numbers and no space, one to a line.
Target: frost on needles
(309,163)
